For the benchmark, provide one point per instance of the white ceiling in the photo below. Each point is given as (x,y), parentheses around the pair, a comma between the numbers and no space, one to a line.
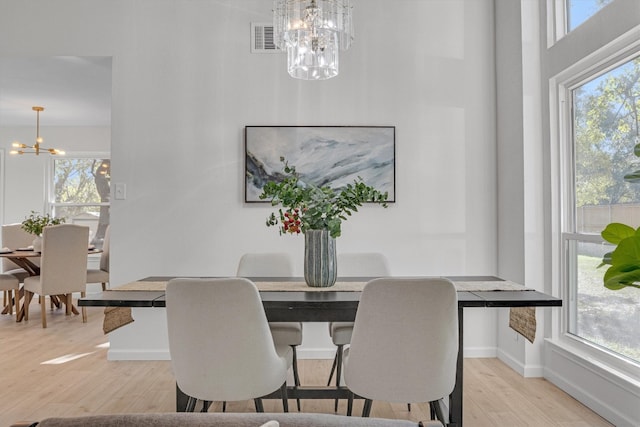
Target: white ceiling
(74,91)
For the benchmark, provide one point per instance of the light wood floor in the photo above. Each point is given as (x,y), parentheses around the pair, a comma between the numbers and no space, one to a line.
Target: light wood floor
(63,371)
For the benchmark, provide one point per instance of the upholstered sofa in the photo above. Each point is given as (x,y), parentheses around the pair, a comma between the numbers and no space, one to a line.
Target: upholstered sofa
(224,420)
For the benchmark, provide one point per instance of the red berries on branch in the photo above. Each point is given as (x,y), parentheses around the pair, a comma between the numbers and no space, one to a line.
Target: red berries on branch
(291,221)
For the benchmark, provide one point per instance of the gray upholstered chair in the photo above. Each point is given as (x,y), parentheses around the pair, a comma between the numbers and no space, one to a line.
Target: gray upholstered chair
(275,265)
(357,264)
(220,344)
(63,267)
(404,344)
(14,237)
(101,275)
(11,286)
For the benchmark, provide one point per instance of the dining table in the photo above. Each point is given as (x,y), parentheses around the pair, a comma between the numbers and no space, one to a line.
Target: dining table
(24,258)
(287,299)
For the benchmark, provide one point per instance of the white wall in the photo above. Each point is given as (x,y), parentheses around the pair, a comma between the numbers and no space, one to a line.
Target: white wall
(25,175)
(185,84)
(434,94)
(521,232)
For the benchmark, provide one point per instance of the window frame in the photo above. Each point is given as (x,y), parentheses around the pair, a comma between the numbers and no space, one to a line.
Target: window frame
(51,204)
(563,189)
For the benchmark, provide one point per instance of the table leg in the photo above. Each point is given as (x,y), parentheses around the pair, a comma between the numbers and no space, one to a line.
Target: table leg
(55,299)
(20,313)
(455,399)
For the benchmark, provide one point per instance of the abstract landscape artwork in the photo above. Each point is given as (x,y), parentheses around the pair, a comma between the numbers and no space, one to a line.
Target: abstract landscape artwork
(322,155)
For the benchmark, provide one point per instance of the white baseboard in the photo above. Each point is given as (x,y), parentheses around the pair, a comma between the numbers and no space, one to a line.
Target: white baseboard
(138,355)
(316,353)
(329,352)
(609,395)
(479,352)
(526,370)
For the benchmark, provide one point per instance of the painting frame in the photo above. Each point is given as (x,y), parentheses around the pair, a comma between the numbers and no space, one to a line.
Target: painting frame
(323,155)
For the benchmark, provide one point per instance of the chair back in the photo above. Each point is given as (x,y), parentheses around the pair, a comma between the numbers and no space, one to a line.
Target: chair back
(363,264)
(220,344)
(104,257)
(405,340)
(265,265)
(63,264)
(13,236)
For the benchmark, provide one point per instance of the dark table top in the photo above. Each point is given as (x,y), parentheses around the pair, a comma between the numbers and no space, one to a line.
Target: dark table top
(331,305)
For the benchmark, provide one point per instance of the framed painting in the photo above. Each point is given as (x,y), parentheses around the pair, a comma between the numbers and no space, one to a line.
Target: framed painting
(322,155)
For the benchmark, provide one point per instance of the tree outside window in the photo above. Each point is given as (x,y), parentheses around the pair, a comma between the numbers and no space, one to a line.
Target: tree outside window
(606,121)
(81,189)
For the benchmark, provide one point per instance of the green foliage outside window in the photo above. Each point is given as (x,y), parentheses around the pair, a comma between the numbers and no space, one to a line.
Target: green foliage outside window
(81,188)
(607,135)
(606,112)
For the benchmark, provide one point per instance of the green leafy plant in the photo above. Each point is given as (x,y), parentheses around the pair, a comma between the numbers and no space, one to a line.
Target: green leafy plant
(35,223)
(624,260)
(306,206)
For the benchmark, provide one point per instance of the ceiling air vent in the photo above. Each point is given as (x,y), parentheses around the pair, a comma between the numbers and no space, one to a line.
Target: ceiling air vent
(262,38)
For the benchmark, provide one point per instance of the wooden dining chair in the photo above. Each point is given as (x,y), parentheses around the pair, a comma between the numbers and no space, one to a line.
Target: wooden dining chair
(101,275)
(63,268)
(404,344)
(11,286)
(220,343)
(14,237)
(356,264)
(275,264)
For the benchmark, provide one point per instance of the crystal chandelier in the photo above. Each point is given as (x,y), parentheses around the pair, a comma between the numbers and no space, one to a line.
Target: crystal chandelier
(312,32)
(35,148)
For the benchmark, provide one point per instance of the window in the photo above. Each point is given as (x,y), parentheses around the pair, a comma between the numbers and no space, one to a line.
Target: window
(79,190)
(605,121)
(578,11)
(566,15)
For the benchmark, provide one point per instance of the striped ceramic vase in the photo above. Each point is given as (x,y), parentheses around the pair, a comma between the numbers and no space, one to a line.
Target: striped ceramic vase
(320,267)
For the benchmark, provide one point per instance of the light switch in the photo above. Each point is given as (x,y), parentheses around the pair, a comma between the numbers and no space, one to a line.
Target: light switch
(121,191)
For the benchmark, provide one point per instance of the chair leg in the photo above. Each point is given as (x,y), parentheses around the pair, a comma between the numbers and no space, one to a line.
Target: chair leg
(350,404)
(16,301)
(333,367)
(285,398)
(224,406)
(104,286)
(43,310)
(296,377)
(8,301)
(191,404)
(437,408)
(338,372)
(258,403)
(84,309)
(205,406)
(409,407)
(366,409)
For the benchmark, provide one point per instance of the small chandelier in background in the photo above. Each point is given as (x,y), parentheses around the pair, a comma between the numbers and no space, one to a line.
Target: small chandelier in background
(35,148)
(312,32)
